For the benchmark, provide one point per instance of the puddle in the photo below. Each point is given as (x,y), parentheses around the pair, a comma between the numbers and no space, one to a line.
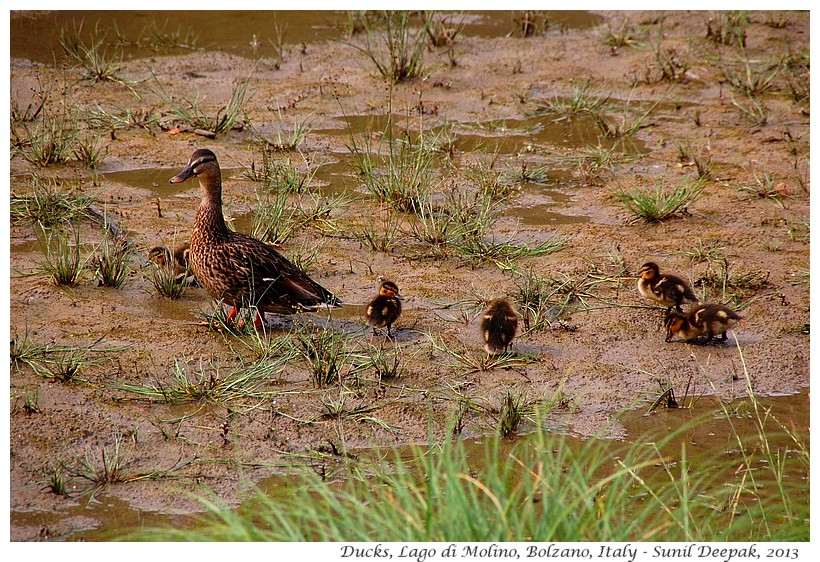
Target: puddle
(251,34)
(544,215)
(156,180)
(103,520)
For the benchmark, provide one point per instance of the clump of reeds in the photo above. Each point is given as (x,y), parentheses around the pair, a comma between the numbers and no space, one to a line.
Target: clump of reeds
(661,203)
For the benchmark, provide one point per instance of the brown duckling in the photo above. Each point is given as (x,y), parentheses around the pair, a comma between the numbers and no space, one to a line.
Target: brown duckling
(668,290)
(709,320)
(498,326)
(161,255)
(385,308)
(237,269)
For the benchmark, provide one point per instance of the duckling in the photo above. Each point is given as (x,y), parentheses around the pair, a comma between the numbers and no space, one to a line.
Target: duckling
(160,255)
(710,320)
(665,289)
(237,269)
(385,308)
(498,326)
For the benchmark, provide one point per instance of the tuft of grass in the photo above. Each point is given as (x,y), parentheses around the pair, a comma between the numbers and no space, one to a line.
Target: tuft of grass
(63,262)
(380,231)
(110,465)
(749,79)
(190,110)
(281,173)
(626,127)
(57,482)
(442,33)
(584,98)
(525,174)
(31,400)
(728,28)
(702,251)
(661,203)
(767,188)
(735,286)
(404,175)
(324,351)
(544,301)
(50,141)
(146,118)
(48,205)
(274,220)
(514,407)
(165,281)
(160,39)
(68,365)
(111,263)
(489,181)
(98,61)
(467,361)
(625,35)
(282,140)
(530,23)
(87,150)
(753,110)
(700,158)
(386,360)
(48,359)
(392,44)
(241,387)
(26,112)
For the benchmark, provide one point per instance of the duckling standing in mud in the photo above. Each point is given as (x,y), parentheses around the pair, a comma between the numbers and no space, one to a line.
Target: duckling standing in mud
(385,308)
(668,290)
(709,320)
(499,323)
(160,255)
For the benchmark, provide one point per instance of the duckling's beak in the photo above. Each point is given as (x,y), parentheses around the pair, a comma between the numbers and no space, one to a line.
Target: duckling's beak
(669,336)
(398,296)
(185,174)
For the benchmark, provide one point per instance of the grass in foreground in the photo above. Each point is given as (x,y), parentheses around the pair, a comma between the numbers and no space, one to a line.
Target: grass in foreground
(545,487)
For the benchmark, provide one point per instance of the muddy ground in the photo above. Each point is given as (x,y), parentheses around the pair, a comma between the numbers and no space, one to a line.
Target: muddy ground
(606,354)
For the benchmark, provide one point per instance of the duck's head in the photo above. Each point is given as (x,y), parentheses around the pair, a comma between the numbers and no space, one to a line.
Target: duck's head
(202,162)
(673,323)
(390,289)
(648,271)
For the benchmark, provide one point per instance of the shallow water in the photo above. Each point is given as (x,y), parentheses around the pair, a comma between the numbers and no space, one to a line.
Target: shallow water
(251,34)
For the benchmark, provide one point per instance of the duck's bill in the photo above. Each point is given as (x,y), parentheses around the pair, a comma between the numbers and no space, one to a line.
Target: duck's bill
(669,336)
(185,174)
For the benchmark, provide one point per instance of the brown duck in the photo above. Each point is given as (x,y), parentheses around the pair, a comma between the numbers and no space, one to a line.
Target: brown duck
(705,320)
(161,255)
(668,290)
(498,326)
(385,308)
(237,269)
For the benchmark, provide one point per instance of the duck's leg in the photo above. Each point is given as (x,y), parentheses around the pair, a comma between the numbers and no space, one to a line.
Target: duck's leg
(232,315)
(259,319)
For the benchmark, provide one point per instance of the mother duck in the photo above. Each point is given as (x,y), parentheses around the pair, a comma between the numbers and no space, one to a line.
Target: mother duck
(237,269)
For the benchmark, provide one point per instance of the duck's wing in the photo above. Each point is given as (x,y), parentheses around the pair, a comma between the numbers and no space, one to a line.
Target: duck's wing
(276,281)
